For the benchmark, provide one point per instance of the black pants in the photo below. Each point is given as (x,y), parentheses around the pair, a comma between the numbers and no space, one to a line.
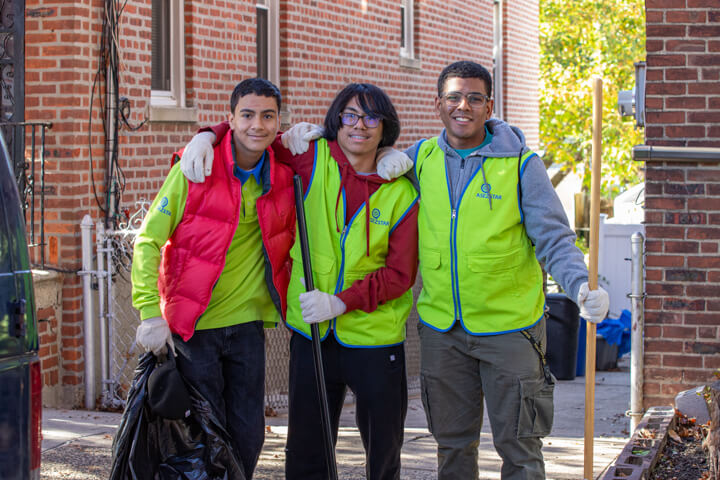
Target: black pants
(377,378)
(227,366)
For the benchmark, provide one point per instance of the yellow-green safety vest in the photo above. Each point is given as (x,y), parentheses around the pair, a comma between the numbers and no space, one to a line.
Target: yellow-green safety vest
(339,258)
(478,265)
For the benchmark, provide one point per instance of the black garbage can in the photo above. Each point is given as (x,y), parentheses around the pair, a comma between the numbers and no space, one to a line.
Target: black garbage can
(562,335)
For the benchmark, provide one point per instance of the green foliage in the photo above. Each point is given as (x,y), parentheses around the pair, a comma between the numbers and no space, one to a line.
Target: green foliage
(581,39)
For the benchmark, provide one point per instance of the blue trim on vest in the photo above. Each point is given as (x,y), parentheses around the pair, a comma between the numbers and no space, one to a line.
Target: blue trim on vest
(452,223)
(312,175)
(522,170)
(363,346)
(293,329)
(487,334)
(404,214)
(454,234)
(417,152)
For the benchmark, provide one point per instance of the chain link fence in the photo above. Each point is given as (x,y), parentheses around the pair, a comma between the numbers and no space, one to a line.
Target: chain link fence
(123,319)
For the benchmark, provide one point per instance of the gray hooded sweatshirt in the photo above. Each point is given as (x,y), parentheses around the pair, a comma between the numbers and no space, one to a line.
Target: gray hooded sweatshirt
(545,221)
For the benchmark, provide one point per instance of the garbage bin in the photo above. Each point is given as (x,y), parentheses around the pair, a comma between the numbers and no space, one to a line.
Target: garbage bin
(562,335)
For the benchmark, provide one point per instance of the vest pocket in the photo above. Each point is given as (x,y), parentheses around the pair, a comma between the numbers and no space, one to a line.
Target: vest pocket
(430,259)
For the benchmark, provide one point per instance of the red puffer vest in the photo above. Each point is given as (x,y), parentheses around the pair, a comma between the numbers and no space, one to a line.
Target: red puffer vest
(194,256)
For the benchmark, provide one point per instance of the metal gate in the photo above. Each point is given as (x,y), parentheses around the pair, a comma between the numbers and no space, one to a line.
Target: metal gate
(118,321)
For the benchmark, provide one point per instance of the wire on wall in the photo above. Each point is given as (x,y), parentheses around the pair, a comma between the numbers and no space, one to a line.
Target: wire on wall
(114,112)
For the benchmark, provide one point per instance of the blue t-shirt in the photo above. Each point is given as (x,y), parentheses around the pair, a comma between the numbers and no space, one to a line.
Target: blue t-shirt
(465,152)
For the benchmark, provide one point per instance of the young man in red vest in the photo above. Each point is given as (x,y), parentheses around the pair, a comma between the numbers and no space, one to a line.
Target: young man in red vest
(209,296)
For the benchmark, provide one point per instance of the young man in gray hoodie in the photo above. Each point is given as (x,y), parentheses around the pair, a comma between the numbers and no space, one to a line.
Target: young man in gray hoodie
(488,217)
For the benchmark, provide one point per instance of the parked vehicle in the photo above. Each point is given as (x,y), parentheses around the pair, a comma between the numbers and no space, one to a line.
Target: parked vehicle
(20,376)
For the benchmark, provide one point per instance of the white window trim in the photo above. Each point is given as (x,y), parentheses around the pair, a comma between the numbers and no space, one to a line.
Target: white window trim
(273,60)
(175,97)
(408,51)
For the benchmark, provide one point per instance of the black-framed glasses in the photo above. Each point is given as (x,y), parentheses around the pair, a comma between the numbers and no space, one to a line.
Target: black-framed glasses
(349,119)
(475,100)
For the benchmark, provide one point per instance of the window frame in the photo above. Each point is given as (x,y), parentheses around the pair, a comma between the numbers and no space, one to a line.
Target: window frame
(175,97)
(273,38)
(407,29)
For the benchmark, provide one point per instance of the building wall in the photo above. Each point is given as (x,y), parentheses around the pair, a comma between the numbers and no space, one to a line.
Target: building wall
(324,44)
(682,209)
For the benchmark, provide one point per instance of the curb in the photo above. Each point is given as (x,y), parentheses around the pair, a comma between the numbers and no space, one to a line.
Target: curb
(641,453)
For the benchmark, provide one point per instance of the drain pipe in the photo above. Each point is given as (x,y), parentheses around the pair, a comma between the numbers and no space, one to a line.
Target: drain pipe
(88,326)
(102,319)
(637,297)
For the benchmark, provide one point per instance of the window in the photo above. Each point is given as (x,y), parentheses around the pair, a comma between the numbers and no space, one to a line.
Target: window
(168,54)
(407,29)
(498,53)
(267,41)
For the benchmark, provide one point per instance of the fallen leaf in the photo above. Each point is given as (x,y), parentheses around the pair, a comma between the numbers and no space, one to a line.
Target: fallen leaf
(673,434)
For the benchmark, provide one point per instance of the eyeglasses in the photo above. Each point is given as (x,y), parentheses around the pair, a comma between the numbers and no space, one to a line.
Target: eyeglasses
(475,100)
(350,119)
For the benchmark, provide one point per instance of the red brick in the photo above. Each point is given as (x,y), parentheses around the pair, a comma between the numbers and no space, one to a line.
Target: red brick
(709,247)
(704,233)
(654,16)
(695,318)
(665,30)
(678,332)
(709,74)
(654,46)
(662,345)
(703,204)
(674,303)
(685,16)
(703,60)
(681,247)
(704,117)
(685,361)
(667,60)
(661,289)
(665,232)
(685,131)
(695,31)
(703,348)
(666,117)
(687,103)
(672,218)
(704,291)
(703,3)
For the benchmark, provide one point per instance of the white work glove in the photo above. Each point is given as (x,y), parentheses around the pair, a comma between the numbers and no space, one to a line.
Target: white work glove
(392,163)
(197,158)
(297,139)
(153,334)
(319,306)
(594,304)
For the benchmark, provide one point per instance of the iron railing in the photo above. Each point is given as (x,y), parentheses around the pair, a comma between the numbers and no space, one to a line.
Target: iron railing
(25,165)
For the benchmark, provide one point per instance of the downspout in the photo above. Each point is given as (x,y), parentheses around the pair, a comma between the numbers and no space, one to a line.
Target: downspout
(637,297)
(88,324)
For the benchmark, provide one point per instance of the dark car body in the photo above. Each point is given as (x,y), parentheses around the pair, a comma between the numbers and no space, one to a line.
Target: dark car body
(20,376)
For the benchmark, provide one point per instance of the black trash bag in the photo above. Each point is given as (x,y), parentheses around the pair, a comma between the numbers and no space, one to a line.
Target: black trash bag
(149,447)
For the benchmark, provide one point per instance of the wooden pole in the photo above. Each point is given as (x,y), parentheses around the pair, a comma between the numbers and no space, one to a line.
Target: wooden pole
(593,276)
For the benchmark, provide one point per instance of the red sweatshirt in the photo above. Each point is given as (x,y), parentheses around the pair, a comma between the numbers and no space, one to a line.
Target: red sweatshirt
(401,263)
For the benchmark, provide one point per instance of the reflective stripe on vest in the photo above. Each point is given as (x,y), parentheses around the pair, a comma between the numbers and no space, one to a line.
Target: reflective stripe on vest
(339,258)
(477,264)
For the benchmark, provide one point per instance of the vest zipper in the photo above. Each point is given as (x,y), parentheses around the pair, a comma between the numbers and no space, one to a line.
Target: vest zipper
(453,249)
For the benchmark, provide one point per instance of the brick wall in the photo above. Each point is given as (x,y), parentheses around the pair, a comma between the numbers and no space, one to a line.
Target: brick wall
(521,68)
(324,44)
(682,210)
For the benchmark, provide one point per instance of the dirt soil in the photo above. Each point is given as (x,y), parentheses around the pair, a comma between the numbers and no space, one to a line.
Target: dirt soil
(683,457)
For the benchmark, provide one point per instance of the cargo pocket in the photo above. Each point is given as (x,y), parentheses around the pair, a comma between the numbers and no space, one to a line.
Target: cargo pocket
(535,418)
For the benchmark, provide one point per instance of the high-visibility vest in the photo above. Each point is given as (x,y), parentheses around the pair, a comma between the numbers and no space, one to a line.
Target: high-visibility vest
(477,263)
(339,258)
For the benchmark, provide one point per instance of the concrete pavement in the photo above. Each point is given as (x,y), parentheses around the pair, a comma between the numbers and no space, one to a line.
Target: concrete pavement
(76,443)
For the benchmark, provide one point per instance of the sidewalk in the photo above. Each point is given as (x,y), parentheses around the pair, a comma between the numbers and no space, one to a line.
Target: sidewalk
(76,444)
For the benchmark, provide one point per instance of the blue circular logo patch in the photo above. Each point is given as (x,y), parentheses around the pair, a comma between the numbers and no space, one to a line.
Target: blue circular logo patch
(375,213)
(485,188)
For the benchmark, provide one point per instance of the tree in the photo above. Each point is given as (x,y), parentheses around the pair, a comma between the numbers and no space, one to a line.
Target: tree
(580,39)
